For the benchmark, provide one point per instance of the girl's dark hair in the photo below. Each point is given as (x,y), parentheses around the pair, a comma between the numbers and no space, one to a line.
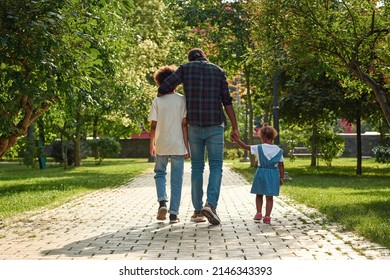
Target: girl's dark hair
(162,73)
(268,132)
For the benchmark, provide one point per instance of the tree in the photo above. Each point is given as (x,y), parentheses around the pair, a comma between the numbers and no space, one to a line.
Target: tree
(331,35)
(351,36)
(131,45)
(90,25)
(313,101)
(38,65)
(98,60)
(356,108)
(222,30)
(153,44)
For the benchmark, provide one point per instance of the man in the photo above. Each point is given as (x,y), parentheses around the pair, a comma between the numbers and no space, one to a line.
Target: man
(206,91)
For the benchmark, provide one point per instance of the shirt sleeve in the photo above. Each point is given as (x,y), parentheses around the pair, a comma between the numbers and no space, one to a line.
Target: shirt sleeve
(225,95)
(184,113)
(153,112)
(254,150)
(171,82)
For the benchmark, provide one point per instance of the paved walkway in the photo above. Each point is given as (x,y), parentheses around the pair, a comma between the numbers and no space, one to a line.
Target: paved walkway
(121,224)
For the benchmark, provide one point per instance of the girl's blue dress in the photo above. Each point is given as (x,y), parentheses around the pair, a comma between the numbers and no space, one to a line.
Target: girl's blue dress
(266,180)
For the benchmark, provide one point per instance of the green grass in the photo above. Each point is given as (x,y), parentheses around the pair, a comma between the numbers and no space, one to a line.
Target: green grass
(359,203)
(23,189)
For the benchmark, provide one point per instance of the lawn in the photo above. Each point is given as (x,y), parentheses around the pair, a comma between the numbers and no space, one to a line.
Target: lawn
(23,189)
(359,203)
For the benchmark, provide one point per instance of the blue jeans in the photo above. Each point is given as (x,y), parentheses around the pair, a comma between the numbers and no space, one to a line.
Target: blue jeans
(210,139)
(160,170)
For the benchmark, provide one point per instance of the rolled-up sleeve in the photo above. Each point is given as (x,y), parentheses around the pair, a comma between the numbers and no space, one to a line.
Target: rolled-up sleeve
(225,94)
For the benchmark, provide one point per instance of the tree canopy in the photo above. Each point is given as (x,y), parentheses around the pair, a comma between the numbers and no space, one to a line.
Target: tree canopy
(78,58)
(84,68)
(350,38)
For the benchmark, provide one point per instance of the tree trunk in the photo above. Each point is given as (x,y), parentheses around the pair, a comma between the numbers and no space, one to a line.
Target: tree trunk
(29,157)
(381,97)
(95,152)
(77,140)
(77,152)
(380,94)
(95,126)
(6,143)
(64,151)
(41,131)
(275,107)
(314,149)
(358,141)
(30,115)
(249,112)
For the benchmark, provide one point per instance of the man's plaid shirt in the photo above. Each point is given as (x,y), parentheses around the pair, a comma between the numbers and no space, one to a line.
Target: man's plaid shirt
(205,88)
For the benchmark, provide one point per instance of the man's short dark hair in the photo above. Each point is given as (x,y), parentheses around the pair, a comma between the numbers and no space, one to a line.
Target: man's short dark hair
(195,53)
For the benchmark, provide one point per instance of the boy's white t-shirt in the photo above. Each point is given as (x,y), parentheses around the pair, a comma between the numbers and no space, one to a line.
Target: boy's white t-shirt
(168,111)
(269,151)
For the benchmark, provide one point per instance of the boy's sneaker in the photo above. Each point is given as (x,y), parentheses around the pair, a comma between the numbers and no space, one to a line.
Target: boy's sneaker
(257,218)
(162,213)
(267,220)
(211,214)
(173,219)
(198,217)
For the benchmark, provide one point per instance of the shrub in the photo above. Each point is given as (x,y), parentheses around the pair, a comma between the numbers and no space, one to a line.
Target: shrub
(330,146)
(104,147)
(382,154)
(56,151)
(233,153)
(28,151)
(293,137)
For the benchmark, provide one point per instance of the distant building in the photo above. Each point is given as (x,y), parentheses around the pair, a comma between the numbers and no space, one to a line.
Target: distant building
(346,125)
(143,135)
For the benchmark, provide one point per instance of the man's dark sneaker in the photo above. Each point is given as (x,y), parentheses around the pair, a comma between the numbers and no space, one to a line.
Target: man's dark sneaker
(162,213)
(211,214)
(173,219)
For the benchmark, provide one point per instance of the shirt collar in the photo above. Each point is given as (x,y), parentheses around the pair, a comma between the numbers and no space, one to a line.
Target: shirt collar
(201,59)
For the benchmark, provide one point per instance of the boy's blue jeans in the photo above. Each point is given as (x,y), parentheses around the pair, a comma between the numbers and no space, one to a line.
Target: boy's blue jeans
(210,139)
(160,170)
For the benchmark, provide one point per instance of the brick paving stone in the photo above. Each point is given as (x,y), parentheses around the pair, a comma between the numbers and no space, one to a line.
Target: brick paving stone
(120,224)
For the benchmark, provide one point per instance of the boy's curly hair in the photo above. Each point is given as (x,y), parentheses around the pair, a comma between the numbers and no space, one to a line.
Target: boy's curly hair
(268,132)
(163,72)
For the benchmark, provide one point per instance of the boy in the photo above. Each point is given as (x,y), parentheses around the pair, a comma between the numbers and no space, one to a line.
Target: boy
(168,139)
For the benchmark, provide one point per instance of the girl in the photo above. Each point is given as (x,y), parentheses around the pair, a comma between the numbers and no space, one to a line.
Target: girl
(269,175)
